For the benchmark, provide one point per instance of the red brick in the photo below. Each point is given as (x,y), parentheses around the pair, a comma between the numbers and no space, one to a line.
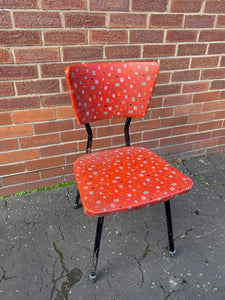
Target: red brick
(156,134)
(5,56)
(97,144)
(68,4)
(38,86)
(163,77)
(147,144)
(172,141)
(197,21)
(65,37)
(15,131)
(8,191)
(9,144)
(122,51)
(36,115)
(158,50)
(70,159)
(53,70)
(213,105)
(221,141)
(174,121)
(187,109)
(215,133)
(82,53)
(16,156)
(167,89)
(6,89)
(220,21)
(184,129)
(69,178)
(19,4)
(177,36)
(74,135)
(120,141)
(177,100)
(191,75)
(53,172)
(187,6)
(45,163)
(218,84)
(220,114)
(85,20)
(128,20)
(64,112)
(216,48)
(40,140)
(174,64)
(108,36)
(15,179)
(215,6)
(215,149)
(175,149)
(144,125)
(146,36)
(205,62)
(191,49)
(205,144)
(5,20)
(19,103)
(204,97)
(31,55)
(112,130)
(195,87)
(212,125)
(53,126)
(166,20)
(109,5)
(197,136)
(20,38)
(17,72)
(44,183)
(213,73)
(58,149)
(161,113)
(12,168)
(150,6)
(222,62)
(56,100)
(222,95)
(212,35)
(36,19)
(5,119)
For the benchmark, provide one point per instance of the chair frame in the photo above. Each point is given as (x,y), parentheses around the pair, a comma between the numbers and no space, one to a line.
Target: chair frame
(100,221)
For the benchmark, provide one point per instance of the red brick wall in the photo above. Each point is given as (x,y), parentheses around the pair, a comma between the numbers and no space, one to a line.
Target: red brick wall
(39,38)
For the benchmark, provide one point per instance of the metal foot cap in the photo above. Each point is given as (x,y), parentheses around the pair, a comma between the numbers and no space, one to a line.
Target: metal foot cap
(173,253)
(92,278)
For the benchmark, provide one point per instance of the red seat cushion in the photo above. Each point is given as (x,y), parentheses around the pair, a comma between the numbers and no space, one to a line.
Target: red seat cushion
(125,179)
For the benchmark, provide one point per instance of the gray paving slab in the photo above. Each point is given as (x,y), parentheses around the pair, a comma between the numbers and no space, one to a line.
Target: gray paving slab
(46,245)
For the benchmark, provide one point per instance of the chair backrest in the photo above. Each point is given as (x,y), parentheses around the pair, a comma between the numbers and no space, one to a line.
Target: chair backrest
(112,89)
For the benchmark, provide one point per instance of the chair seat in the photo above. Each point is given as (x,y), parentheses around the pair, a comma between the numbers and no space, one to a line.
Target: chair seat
(125,179)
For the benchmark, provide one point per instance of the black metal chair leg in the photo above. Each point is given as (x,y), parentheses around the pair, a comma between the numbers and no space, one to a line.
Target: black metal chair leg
(170,228)
(77,203)
(92,274)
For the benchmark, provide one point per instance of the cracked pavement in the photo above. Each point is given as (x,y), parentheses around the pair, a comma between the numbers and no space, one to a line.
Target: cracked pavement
(46,245)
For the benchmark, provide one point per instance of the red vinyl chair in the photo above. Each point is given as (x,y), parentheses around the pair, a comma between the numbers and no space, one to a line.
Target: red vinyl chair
(126,178)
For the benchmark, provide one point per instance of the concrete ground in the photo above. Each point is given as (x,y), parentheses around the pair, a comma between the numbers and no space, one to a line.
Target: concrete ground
(46,245)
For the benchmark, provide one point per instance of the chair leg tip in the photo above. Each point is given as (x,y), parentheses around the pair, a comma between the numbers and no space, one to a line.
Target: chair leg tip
(173,253)
(92,278)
